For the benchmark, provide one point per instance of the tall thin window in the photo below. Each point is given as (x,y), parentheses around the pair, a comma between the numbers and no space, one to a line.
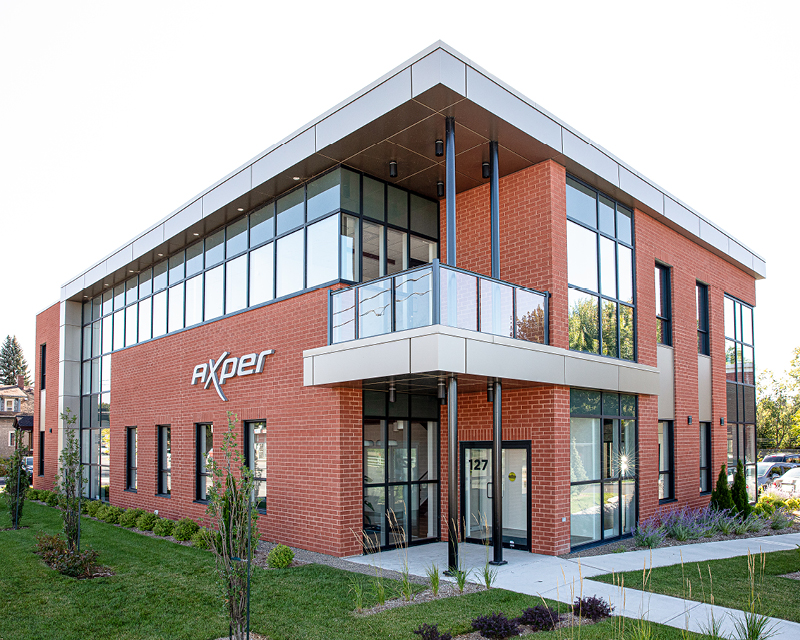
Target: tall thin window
(663,306)
(41,453)
(42,366)
(705,457)
(255,433)
(702,319)
(130,454)
(205,453)
(666,461)
(164,461)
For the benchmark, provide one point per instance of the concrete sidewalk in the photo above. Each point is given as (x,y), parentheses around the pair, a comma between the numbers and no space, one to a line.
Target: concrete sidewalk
(563,580)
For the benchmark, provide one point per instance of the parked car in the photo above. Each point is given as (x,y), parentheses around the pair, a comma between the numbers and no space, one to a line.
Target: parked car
(794,458)
(29,464)
(789,481)
(768,472)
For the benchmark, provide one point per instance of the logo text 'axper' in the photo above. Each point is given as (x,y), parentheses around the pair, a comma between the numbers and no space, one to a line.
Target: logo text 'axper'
(224,368)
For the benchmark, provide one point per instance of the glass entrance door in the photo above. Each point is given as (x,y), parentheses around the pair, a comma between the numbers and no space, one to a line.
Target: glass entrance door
(478,493)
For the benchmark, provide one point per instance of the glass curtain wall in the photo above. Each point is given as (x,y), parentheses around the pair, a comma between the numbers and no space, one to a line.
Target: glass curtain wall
(340,226)
(600,268)
(741,389)
(401,469)
(603,465)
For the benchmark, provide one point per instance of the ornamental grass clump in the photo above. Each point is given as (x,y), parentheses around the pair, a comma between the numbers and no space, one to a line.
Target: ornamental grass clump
(592,608)
(496,626)
(780,520)
(539,618)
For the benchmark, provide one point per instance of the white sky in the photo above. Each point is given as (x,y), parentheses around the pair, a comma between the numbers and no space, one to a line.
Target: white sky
(112,115)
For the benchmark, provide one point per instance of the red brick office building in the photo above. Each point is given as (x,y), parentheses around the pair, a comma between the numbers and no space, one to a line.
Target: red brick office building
(432,263)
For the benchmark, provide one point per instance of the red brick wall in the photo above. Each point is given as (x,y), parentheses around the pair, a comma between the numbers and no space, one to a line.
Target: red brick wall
(47,332)
(314,434)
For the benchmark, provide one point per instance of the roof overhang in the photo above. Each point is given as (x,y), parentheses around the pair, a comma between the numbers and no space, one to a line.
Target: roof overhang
(399,117)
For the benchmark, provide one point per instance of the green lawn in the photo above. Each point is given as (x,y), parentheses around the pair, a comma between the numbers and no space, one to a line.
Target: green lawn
(730,585)
(164,590)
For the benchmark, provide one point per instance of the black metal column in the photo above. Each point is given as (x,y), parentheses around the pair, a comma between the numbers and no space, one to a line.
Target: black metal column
(494,199)
(450,188)
(497,473)
(452,473)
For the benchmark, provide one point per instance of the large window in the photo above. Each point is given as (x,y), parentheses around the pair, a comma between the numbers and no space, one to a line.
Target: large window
(130,454)
(741,389)
(205,454)
(705,457)
(703,346)
(164,461)
(600,273)
(603,465)
(666,461)
(663,305)
(401,468)
(255,434)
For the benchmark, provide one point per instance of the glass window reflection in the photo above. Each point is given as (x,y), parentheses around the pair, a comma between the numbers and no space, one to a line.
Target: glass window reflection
(290,264)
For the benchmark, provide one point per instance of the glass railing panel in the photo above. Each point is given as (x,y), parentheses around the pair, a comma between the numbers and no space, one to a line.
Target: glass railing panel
(413,300)
(375,308)
(531,316)
(343,325)
(497,308)
(458,299)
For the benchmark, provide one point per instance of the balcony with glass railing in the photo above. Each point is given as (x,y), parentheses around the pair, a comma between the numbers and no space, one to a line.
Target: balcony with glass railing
(437,294)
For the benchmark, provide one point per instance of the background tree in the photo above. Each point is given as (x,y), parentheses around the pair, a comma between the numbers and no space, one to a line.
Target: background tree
(12,362)
(778,411)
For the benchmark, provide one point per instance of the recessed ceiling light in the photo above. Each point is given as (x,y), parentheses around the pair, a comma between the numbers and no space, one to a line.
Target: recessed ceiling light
(85,296)
(160,255)
(105,285)
(195,234)
(296,178)
(131,271)
(240,209)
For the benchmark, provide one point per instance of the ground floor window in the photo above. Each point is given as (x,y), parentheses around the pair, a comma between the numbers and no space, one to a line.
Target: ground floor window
(41,453)
(401,469)
(666,461)
(705,457)
(164,460)
(255,434)
(603,465)
(205,454)
(130,454)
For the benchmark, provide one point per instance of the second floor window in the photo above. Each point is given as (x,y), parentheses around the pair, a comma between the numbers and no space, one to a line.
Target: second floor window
(600,273)
(663,306)
(703,346)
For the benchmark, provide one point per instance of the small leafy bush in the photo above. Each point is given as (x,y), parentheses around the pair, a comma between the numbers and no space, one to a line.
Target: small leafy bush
(593,608)
(57,555)
(280,557)
(539,618)
(496,625)
(31,494)
(111,515)
(202,539)
(42,495)
(146,521)
(164,527)
(92,507)
(431,632)
(52,499)
(185,528)
(129,518)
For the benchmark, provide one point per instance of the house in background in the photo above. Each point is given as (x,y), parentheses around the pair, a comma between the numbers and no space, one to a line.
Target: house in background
(15,402)
(433,295)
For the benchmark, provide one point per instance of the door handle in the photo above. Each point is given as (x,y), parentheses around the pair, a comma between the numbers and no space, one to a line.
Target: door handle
(488,493)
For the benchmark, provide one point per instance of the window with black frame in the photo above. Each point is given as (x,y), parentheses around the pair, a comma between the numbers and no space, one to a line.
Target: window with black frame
(663,305)
(705,457)
(164,460)
(205,455)
(401,469)
(703,344)
(255,433)
(603,465)
(666,461)
(741,389)
(600,263)
(131,454)
(41,453)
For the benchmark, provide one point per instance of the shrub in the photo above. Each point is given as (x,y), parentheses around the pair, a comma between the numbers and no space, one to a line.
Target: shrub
(52,499)
(539,618)
(57,555)
(111,514)
(721,499)
(280,557)
(185,528)
(164,527)
(726,523)
(42,495)
(781,520)
(496,625)
(92,507)
(593,608)
(146,521)
(649,533)
(431,632)
(32,494)
(755,523)
(129,518)
(202,539)
(741,501)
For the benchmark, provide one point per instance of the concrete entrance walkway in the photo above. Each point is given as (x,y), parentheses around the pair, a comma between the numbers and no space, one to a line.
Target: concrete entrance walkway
(563,580)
